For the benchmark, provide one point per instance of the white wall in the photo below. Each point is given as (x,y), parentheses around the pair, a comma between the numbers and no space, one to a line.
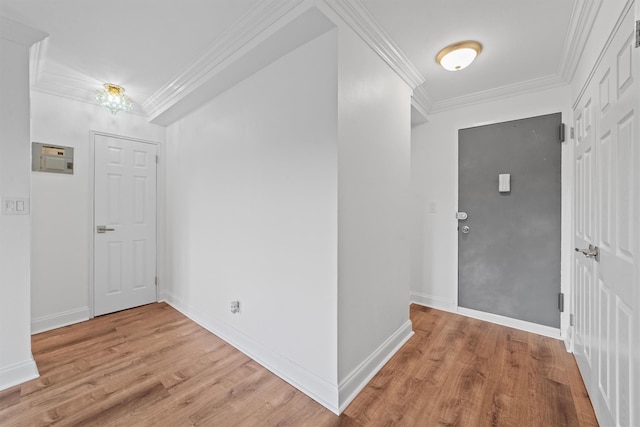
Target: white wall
(290,192)
(61,206)
(252,216)
(374,107)
(16,362)
(434,165)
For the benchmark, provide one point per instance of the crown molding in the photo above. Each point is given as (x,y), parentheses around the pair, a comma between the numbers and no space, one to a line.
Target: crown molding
(355,14)
(75,89)
(260,17)
(418,115)
(62,83)
(37,53)
(64,90)
(422,104)
(583,18)
(421,99)
(502,92)
(258,22)
(19,33)
(253,27)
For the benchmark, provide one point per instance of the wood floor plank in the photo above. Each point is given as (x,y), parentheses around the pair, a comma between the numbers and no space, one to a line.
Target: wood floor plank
(58,395)
(151,366)
(9,398)
(501,400)
(190,395)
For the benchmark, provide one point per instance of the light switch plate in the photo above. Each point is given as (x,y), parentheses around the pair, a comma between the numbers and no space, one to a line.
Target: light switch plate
(15,206)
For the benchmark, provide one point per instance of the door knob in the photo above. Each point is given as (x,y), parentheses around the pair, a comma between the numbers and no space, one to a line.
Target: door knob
(591,252)
(465,229)
(104,229)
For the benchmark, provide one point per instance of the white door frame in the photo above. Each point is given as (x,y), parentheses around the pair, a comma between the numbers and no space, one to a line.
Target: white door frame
(91,201)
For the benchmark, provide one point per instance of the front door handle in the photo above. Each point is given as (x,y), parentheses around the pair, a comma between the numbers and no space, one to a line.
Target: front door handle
(591,252)
(104,229)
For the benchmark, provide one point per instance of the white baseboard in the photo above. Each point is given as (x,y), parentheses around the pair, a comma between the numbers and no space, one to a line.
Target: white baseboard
(360,377)
(320,390)
(18,373)
(547,331)
(58,320)
(164,297)
(433,302)
(446,305)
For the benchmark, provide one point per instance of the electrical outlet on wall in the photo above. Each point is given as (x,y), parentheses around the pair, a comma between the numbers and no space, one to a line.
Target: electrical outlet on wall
(235,307)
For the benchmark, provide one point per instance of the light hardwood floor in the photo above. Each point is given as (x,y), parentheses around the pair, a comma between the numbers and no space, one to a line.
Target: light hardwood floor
(151,366)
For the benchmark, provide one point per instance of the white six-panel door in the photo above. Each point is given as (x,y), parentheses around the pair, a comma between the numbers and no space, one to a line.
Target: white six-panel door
(125,206)
(607,158)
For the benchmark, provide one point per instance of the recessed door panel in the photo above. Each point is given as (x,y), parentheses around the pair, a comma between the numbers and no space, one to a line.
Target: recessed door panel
(139,198)
(114,268)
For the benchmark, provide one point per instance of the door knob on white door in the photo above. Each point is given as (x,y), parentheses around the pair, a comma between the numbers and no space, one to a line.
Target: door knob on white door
(591,252)
(104,229)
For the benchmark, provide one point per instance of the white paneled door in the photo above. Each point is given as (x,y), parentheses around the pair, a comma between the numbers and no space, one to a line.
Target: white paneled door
(125,224)
(607,214)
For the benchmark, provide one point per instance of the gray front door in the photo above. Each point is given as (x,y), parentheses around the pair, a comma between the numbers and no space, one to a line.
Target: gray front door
(509,245)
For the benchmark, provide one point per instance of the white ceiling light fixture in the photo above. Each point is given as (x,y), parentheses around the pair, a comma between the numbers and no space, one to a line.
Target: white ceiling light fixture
(112,98)
(459,55)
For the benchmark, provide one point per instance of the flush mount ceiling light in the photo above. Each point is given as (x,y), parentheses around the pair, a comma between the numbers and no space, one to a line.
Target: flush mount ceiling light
(459,55)
(112,98)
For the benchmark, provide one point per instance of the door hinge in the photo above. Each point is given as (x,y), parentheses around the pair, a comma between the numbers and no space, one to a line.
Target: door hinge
(638,33)
(562,131)
(571,320)
(561,302)
(157,159)
(156,281)
(572,133)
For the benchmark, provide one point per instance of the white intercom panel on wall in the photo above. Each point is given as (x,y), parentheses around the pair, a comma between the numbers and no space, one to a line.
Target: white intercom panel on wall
(51,158)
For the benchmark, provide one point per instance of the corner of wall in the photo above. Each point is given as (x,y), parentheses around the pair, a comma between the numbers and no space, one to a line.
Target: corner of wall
(18,373)
(16,361)
(360,377)
(58,320)
(433,301)
(313,386)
